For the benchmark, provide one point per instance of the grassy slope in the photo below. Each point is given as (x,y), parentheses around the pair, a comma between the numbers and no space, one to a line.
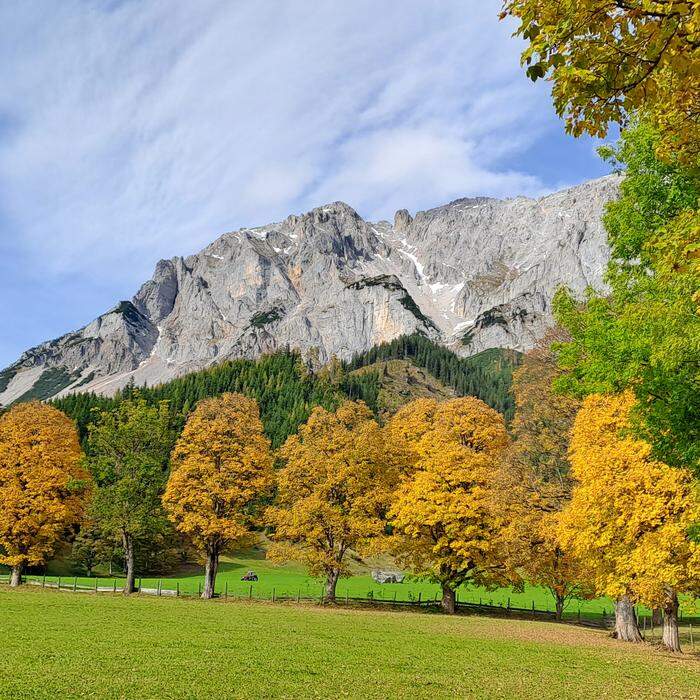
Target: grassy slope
(82,646)
(402,381)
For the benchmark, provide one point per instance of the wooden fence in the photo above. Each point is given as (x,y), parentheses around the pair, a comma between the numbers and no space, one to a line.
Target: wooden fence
(690,625)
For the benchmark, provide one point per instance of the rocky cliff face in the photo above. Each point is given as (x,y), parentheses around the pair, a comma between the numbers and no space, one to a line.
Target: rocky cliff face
(474,274)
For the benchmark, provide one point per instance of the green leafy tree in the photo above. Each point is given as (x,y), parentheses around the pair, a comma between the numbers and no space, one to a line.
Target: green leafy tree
(644,334)
(128,449)
(90,548)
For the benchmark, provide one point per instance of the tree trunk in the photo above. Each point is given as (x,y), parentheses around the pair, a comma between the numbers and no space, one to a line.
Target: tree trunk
(626,628)
(16,577)
(657,617)
(671,639)
(559,601)
(210,568)
(128,543)
(331,583)
(448,600)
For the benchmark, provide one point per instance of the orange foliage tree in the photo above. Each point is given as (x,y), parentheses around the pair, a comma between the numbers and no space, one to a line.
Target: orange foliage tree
(534,481)
(444,526)
(629,517)
(221,470)
(43,486)
(333,492)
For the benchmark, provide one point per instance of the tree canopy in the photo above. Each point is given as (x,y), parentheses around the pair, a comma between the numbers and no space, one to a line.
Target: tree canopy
(608,59)
(128,449)
(534,483)
(43,486)
(333,492)
(444,526)
(630,515)
(644,332)
(221,471)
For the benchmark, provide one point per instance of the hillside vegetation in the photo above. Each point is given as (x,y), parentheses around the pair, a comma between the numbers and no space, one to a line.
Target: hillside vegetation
(400,381)
(287,389)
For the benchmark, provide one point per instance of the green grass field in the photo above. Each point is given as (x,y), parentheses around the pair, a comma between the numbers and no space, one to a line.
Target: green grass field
(292,581)
(58,644)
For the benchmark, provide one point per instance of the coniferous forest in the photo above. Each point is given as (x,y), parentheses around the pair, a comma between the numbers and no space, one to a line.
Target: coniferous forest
(287,389)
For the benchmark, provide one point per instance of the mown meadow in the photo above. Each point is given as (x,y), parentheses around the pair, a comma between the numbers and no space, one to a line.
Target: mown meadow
(84,646)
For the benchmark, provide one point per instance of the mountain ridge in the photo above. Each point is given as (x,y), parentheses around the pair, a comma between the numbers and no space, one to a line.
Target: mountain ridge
(473,274)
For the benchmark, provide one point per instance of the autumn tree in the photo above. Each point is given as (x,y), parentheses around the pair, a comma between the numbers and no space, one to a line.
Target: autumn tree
(221,469)
(43,487)
(333,492)
(608,59)
(128,449)
(534,484)
(629,517)
(444,525)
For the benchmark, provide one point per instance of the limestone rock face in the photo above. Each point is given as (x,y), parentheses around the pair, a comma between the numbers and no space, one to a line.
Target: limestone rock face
(473,274)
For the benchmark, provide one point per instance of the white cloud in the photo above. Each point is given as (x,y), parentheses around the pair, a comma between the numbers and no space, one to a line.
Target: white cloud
(145,130)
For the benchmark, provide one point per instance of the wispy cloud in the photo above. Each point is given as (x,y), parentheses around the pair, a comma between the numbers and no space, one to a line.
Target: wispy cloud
(133,130)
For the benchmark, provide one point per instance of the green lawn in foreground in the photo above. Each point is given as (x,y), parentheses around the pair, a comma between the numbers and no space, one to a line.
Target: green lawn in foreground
(84,646)
(291,580)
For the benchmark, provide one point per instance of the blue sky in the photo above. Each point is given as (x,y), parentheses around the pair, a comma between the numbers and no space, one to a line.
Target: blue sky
(142,129)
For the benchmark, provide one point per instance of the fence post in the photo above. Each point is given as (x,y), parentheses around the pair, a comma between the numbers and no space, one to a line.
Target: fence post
(250,592)
(419,594)
(579,614)
(299,595)
(225,590)
(140,581)
(177,589)
(114,585)
(273,594)
(75,584)
(508,606)
(43,581)
(533,606)
(394,595)
(347,596)
(160,586)
(199,588)
(692,643)
(96,582)
(59,583)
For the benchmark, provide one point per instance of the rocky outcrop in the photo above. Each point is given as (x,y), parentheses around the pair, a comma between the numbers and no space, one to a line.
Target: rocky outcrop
(475,273)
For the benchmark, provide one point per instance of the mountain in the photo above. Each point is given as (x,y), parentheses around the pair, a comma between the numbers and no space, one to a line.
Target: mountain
(473,274)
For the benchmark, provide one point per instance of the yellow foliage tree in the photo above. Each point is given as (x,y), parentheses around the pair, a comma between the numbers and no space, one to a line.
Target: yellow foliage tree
(43,486)
(221,469)
(629,517)
(333,492)
(610,58)
(534,481)
(444,524)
